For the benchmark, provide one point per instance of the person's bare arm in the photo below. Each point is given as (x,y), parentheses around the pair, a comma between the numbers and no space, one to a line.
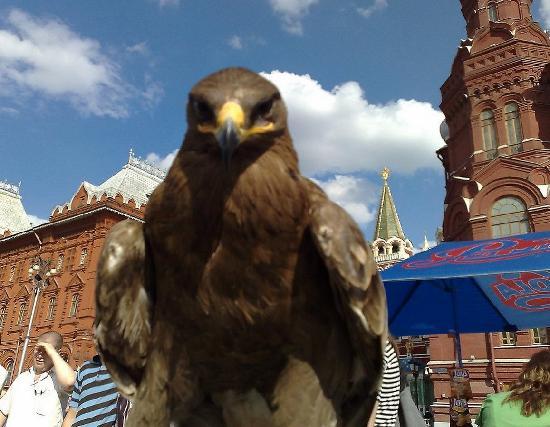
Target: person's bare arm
(69,418)
(3,419)
(64,373)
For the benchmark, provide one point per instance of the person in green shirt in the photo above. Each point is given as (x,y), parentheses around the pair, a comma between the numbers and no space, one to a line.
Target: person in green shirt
(527,404)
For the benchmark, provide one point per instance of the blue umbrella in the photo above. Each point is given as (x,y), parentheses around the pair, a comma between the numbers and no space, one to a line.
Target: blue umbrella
(480,286)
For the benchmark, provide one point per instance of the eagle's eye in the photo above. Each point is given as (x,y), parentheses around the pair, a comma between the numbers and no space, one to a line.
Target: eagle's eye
(202,110)
(263,108)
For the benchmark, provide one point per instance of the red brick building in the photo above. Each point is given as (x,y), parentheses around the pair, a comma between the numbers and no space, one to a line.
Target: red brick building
(496,103)
(71,240)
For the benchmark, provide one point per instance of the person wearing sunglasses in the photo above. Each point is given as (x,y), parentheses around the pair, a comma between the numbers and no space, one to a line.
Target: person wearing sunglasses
(38,396)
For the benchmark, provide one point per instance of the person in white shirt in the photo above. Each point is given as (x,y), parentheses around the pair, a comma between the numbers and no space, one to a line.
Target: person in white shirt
(38,397)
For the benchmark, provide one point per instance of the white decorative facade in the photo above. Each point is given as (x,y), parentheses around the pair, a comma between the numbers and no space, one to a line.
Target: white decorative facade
(135,181)
(13,217)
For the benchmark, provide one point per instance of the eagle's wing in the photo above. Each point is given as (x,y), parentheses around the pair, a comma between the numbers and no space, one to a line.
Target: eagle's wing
(357,288)
(124,304)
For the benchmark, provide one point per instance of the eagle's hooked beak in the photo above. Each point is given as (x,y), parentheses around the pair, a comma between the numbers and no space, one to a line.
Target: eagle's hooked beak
(229,131)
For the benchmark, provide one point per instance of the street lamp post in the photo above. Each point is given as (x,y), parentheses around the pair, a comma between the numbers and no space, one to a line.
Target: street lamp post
(39,273)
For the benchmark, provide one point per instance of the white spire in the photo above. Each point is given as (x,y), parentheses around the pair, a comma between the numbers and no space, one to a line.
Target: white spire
(426,244)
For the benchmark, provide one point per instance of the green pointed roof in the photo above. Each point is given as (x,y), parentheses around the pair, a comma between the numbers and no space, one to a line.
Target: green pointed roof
(387,222)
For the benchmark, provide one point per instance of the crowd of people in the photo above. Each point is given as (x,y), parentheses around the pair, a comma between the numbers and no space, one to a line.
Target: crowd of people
(52,394)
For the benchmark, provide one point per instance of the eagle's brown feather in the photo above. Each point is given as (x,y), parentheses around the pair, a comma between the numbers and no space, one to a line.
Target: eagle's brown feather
(258,277)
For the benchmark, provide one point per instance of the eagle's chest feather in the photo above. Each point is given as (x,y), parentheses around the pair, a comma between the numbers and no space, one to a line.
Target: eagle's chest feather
(234,256)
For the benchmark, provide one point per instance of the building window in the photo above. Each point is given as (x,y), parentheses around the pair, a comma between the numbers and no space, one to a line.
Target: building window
(51,308)
(70,258)
(509,217)
(12,273)
(395,248)
(493,15)
(22,313)
(9,369)
(513,127)
(508,338)
(83,256)
(19,270)
(59,267)
(3,314)
(74,306)
(489,134)
(540,336)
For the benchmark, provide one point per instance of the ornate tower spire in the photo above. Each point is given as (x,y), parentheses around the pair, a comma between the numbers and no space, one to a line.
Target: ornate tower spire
(387,222)
(389,242)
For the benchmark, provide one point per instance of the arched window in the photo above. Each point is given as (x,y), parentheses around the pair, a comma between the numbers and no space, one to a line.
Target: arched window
(513,127)
(22,313)
(492,10)
(381,249)
(59,266)
(51,308)
(489,133)
(83,256)
(9,368)
(509,217)
(74,306)
(395,248)
(3,314)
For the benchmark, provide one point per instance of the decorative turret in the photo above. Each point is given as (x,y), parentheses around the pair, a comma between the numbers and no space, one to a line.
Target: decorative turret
(480,13)
(389,243)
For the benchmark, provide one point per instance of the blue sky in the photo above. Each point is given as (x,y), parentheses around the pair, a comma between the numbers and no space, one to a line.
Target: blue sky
(83,82)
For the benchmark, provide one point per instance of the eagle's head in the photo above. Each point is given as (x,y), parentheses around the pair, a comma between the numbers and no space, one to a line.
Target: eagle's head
(233,106)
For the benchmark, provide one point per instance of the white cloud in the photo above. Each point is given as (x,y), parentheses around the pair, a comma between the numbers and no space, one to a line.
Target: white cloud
(8,111)
(165,3)
(152,93)
(34,220)
(245,42)
(235,42)
(162,162)
(545,12)
(140,48)
(338,131)
(45,57)
(356,195)
(292,13)
(375,7)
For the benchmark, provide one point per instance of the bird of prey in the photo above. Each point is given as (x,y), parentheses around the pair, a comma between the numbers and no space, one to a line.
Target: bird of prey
(247,298)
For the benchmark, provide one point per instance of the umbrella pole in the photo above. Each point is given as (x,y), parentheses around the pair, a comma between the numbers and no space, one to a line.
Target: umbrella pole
(458,346)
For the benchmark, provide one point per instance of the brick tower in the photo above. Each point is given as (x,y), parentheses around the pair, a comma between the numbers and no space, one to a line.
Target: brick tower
(497,129)
(496,103)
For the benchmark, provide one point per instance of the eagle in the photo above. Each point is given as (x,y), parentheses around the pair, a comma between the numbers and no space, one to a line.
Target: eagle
(246,298)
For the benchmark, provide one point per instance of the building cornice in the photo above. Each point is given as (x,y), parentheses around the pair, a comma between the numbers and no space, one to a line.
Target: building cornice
(68,220)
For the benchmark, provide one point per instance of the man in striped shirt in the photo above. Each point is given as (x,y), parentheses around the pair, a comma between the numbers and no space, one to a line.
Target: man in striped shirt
(94,398)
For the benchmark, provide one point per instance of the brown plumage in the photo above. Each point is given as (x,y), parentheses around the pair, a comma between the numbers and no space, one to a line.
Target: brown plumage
(247,298)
